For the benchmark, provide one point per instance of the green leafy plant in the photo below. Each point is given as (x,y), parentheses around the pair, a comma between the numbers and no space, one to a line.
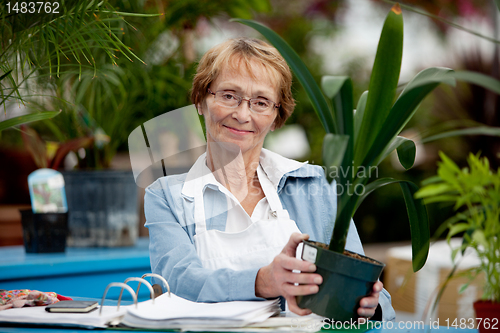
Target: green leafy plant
(44,44)
(358,140)
(474,192)
(116,93)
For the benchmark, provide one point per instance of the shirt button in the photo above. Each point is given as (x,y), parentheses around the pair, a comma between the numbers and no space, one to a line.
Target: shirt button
(274,214)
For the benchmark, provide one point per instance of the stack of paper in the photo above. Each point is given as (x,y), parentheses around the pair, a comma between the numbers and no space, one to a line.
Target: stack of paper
(178,313)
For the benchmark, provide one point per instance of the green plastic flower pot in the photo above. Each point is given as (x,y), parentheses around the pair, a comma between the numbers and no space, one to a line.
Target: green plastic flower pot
(346,280)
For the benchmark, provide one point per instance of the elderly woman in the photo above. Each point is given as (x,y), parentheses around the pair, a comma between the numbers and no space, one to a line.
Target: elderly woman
(228,229)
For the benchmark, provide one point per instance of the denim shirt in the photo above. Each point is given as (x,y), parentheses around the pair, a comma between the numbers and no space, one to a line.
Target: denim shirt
(310,200)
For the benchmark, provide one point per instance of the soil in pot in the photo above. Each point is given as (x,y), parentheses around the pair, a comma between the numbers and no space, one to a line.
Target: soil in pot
(346,280)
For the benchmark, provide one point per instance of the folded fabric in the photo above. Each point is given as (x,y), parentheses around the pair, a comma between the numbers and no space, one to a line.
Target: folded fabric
(26,297)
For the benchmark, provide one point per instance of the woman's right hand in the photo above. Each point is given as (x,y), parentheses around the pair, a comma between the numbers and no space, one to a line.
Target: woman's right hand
(277,278)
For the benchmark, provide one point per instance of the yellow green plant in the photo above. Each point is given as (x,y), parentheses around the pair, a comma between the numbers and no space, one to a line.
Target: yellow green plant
(474,192)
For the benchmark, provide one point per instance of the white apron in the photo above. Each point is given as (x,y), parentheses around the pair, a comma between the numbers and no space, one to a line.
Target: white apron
(254,247)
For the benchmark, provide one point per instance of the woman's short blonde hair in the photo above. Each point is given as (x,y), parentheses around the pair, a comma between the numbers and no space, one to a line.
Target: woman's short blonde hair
(238,51)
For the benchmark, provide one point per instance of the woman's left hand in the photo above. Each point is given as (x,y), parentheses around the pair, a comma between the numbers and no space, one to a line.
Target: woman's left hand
(368,304)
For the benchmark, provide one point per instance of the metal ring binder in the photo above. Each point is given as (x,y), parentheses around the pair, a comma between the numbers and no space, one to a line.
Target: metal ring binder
(118,284)
(140,280)
(158,277)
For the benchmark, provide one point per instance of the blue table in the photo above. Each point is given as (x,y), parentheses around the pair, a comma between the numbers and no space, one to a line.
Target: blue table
(83,272)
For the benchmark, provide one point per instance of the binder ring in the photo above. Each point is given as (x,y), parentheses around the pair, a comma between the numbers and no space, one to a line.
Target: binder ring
(118,284)
(158,277)
(140,280)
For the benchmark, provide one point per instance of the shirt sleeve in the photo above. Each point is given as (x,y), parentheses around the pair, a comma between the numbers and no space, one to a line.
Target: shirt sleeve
(173,256)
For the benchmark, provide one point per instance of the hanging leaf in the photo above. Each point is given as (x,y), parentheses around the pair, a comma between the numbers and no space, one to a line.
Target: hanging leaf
(480,130)
(396,143)
(419,225)
(478,79)
(27,118)
(406,153)
(417,215)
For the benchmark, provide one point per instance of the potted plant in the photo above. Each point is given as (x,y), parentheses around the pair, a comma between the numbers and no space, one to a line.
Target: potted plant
(474,192)
(356,141)
(45,46)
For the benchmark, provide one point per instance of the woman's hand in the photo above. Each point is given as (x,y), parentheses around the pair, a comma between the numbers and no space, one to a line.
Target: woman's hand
(277,278)
(367,305)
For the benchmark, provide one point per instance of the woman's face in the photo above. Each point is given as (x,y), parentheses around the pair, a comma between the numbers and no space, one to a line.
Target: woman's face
(240,125)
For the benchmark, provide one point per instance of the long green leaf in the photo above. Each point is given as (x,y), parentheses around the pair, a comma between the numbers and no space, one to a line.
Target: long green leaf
(27,119)
(301,72)
(405,107)
(383,82)
(479,79)
(339,90)
(481,130)
(369,188)
(419,225)
(5,75)
(417,214)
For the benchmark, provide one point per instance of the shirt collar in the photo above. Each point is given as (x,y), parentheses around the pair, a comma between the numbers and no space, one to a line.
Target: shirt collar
(274,165)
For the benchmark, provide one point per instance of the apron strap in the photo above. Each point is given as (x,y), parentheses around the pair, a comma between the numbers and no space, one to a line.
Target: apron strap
(271,195)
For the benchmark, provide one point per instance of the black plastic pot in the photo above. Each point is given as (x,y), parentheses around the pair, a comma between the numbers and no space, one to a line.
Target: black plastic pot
(346,280)
(44,232)
(103,206)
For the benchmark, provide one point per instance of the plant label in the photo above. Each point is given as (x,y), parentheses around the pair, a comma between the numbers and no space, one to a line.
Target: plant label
(309,253)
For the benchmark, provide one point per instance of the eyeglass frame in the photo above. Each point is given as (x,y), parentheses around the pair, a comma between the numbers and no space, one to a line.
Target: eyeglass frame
(276,106)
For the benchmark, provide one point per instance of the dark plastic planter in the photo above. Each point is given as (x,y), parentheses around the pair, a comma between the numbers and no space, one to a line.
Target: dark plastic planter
(489,312)
(44,233)
(103,208)
(345,281)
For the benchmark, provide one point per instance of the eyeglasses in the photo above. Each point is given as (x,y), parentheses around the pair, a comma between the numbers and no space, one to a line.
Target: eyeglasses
(231,100)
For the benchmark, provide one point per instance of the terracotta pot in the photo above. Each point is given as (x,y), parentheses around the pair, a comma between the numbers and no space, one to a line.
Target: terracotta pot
(489,312)
(345,281)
